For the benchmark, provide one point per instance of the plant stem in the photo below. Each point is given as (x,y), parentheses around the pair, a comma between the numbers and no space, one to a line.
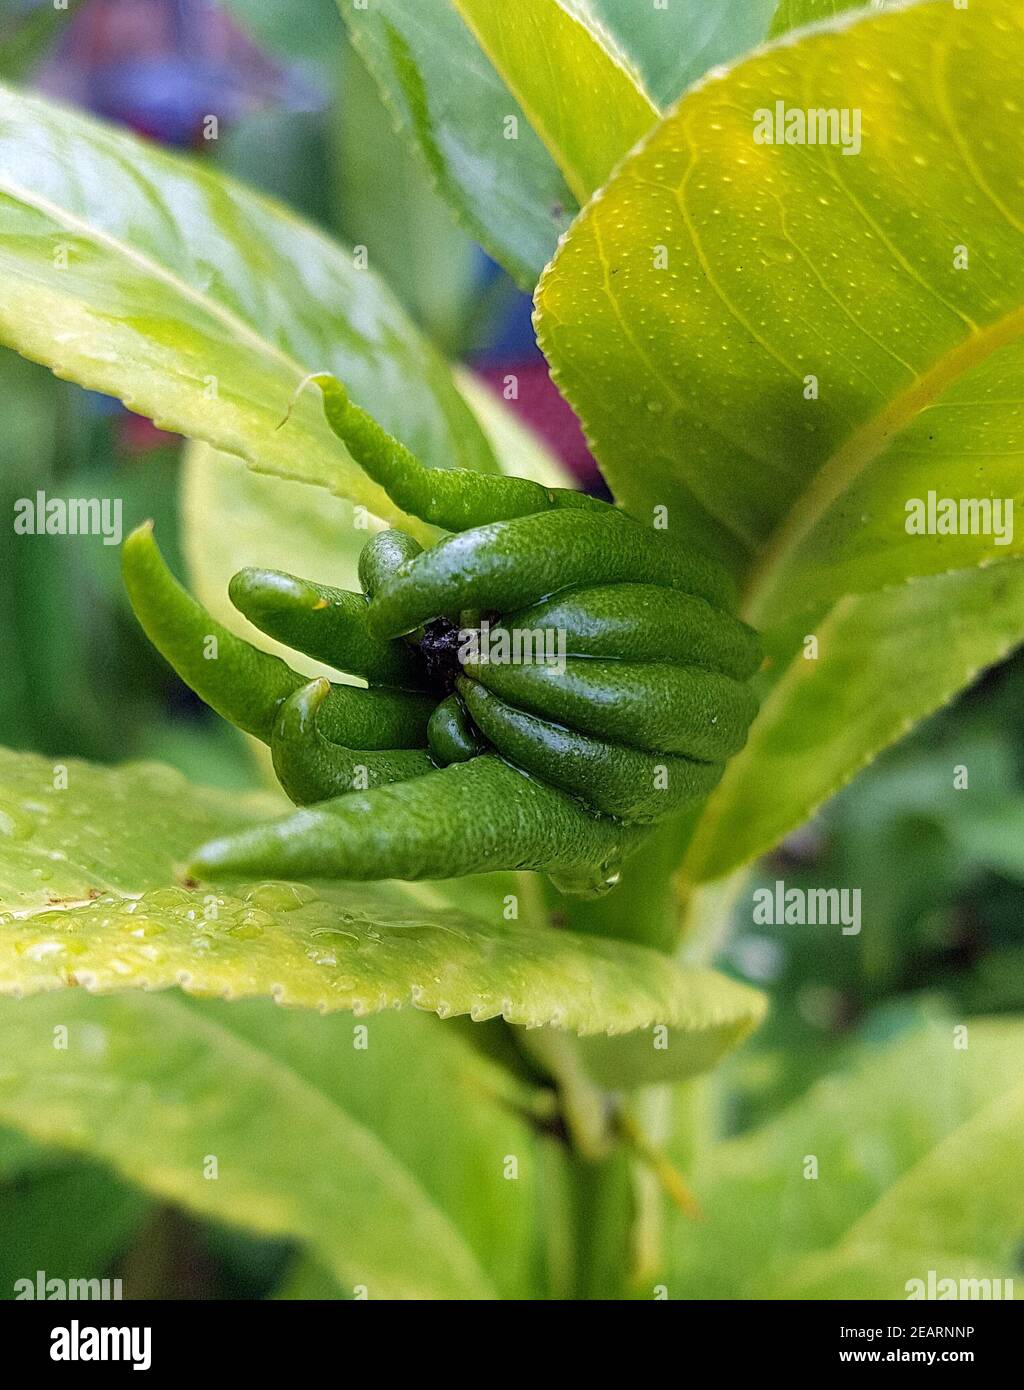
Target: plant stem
(671,1181)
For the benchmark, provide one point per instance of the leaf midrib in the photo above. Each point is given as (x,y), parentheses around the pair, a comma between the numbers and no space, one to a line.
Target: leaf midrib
(72,222)
(189,1022)
(852,1237)
(547,126)
(861,449)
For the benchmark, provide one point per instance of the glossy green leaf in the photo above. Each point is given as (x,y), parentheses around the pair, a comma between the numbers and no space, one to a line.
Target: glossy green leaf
(291,1125)
(579,104)
(203,305)
(675,43)
(884,661)
(103,908)
(583,73)
(426,258)
(917,1169)
(446,98)
(690,304)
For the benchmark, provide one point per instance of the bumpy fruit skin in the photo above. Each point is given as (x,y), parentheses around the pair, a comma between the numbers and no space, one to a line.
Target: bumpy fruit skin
(628,694)
(248,686)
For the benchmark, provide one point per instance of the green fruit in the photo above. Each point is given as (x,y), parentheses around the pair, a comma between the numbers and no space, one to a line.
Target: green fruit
(620,694)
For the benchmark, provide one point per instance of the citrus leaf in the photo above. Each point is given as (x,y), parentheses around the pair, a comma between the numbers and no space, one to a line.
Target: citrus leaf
(100,908)
(657,1056)
(446,98)
(884,661)
(430,262)
(716,276)
(896,1142)
(691,304)
(675,43)
(154,278)
(966,1188)
(793,14)
(583,73)
(222,1108)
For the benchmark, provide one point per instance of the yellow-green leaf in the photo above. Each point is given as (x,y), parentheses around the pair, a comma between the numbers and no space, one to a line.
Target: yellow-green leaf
(291,1125)
(881,662)
(783,343)
(152,277)
(90,896)
(575,86)
(906,1162)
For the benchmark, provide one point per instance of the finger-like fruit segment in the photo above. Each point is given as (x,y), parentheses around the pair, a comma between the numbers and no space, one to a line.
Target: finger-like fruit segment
(451,736)
(511,564)
(644,622)
(469,818)
(615,780)
(325,623)
(311,768)
(670,709)
(242,683)
(451,498)
(383,556)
